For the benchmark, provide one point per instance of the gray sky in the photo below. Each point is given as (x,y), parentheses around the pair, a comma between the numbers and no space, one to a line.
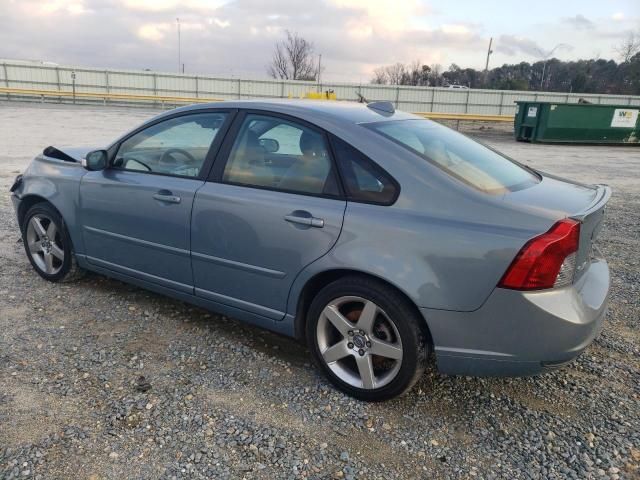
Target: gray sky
(354,36)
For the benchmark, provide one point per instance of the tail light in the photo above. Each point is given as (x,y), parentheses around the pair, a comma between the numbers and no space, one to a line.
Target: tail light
(546,261)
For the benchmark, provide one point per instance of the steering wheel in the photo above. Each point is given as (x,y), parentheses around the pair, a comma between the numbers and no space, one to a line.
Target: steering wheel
(167,156)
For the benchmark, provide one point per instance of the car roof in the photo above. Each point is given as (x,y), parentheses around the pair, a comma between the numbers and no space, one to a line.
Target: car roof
(311,110)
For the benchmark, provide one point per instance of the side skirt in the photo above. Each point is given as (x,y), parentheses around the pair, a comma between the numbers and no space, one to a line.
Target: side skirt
(284,327)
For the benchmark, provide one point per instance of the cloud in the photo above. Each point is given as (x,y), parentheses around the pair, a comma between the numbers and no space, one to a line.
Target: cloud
(163,5)
(579,22)
(237,36)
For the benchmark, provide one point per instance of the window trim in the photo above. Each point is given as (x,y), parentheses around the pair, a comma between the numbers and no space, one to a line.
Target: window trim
(333,138)
(222,158)
(214,147)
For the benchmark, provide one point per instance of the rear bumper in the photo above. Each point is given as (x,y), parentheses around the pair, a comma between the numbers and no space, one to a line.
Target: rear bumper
(522,333)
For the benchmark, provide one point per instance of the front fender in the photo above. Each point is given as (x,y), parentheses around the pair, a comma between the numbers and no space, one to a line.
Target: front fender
(57,182)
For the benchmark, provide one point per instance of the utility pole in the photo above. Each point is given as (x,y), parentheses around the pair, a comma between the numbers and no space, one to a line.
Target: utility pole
(486,65)
(179,46)
(489,52)
(319,70)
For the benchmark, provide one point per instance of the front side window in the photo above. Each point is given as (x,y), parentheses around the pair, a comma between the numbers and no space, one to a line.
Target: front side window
(177,146)
(271,152)
(458,155)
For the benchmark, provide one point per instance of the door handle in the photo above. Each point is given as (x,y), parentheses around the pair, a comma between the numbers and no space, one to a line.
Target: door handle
(166,196)
(308,221)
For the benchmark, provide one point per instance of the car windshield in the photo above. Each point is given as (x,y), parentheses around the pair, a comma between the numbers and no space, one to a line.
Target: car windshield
(458,155)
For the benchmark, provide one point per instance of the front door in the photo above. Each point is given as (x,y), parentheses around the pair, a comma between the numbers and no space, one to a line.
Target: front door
(272,208)
(136,213)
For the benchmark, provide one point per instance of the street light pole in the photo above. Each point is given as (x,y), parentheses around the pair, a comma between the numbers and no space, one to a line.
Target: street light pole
(546,59)
(179,46)
(319,70)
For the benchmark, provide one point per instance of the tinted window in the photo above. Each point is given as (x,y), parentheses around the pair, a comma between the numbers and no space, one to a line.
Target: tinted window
(275,153)
(463,158)
(177,146)
(364,180)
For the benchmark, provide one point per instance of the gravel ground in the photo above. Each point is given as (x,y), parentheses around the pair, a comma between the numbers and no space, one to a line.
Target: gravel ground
(99,379)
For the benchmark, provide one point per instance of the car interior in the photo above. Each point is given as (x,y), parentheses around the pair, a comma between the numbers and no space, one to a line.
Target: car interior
(274,153)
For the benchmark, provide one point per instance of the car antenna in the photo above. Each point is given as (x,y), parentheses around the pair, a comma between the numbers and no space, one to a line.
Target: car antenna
(383,107)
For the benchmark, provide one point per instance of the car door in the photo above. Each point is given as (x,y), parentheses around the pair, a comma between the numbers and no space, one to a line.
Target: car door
(136,213)
(272,206)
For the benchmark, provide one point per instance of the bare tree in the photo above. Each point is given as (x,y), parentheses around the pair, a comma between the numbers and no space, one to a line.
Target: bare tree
(293,59)
(395,73)
(380,76)
(628,47)
(415,73)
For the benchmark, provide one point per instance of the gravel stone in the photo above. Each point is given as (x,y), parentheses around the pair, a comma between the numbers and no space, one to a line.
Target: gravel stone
(99,379)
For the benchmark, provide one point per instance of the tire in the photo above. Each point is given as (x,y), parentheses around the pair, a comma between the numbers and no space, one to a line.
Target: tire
(48,245)
(366,338)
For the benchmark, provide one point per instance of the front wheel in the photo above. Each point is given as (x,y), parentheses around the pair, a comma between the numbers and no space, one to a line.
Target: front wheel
(366,338)
(48,245)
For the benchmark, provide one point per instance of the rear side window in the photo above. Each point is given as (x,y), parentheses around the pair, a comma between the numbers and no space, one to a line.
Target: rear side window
(364,181)
(458,155)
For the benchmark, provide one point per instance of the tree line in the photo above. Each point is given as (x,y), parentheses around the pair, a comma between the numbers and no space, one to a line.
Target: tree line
(294,59)
(580,76)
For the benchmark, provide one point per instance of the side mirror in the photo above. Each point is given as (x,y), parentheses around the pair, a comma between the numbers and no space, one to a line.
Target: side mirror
(96,160)
(270,145)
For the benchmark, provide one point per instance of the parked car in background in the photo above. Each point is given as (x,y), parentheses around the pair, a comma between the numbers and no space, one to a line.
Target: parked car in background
(376,236)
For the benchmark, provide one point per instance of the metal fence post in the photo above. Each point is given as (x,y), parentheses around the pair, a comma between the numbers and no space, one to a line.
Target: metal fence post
(155,84)
(197,94)
(6,74)
(466,105)
(501,102)
(106,86)
(397,95)
(239,91)
(73,85)
(281,88)
(6,77)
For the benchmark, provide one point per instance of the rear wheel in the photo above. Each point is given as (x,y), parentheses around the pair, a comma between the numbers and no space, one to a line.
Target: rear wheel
(48,245)
(366,338)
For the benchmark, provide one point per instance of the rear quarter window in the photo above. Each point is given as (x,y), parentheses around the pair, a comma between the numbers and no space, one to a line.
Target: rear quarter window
(363,179)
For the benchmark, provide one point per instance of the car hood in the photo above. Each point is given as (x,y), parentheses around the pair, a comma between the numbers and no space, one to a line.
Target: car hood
(68,154)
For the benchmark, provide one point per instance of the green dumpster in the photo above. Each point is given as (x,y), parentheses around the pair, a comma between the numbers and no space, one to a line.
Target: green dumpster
(577,123)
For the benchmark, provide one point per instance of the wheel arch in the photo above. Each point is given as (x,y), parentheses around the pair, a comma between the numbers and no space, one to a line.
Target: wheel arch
(28,201)
(321,279)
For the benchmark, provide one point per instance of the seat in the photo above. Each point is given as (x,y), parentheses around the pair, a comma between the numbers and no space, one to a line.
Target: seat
(309,173)
(248,163)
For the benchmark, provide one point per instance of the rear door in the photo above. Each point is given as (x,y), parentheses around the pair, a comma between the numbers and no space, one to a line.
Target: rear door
(136,213)
(271,207)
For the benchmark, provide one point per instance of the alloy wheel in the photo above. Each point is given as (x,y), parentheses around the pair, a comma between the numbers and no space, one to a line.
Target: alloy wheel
(359,342)
(45,244)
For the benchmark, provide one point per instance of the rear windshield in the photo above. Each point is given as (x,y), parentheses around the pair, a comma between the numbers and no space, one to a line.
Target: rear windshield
(458,155)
